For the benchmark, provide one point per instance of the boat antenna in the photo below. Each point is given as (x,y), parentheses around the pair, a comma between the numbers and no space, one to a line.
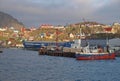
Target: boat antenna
(80,36)
(57,38)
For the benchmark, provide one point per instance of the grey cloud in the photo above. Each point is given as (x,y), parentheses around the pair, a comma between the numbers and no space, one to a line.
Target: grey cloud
(36,12)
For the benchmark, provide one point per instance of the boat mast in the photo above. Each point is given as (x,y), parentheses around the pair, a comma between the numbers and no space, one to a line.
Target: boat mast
(80,37)
(57,38)
(107,40)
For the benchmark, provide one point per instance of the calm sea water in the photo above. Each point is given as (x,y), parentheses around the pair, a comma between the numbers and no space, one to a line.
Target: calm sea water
(24,65)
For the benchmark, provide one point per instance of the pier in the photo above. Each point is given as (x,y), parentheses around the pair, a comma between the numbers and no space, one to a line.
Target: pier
(56,52)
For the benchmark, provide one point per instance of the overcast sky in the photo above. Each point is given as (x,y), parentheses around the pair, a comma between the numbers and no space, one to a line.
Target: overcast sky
(61,12)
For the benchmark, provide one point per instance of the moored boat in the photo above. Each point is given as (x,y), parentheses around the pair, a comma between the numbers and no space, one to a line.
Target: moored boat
(95,52)
(35,45)
(95,56)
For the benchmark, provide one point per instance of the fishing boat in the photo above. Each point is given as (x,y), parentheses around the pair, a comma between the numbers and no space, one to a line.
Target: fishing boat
(94,52)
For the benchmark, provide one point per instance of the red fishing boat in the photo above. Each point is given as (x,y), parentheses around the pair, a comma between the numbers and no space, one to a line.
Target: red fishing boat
(101,56)
(95,52)
(95,56)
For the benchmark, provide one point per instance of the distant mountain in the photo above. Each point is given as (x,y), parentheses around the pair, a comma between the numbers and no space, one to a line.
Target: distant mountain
(7,20)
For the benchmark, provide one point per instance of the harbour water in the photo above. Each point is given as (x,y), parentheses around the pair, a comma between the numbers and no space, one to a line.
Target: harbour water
(26,65)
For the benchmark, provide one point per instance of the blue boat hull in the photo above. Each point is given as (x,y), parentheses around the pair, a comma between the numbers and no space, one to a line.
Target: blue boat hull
(36,45)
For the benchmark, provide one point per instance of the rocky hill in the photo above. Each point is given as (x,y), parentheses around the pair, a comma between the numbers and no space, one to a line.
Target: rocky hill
(9,21)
